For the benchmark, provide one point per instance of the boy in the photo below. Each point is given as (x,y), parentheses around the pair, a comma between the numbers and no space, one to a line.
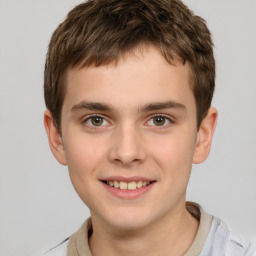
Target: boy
(128,90)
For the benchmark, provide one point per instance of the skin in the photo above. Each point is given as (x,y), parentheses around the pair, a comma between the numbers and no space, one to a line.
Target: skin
(130,142)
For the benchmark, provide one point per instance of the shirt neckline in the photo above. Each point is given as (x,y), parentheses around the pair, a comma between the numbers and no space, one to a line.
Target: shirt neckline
(79,242)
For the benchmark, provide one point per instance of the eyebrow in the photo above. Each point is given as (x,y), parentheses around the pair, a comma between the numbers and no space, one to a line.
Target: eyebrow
(92,106)
(162,105)
(95,106)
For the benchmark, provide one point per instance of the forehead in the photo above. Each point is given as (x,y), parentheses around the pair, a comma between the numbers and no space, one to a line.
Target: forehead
(137,78)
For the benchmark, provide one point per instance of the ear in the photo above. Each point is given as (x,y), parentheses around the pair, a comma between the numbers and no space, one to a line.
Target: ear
(204,136)
(54,138)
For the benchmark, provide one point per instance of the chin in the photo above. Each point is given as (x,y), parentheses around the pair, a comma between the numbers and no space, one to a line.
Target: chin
(129,225)
(130,220)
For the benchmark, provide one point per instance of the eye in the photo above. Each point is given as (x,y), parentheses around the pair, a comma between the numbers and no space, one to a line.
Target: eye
(96,121)
(159,120)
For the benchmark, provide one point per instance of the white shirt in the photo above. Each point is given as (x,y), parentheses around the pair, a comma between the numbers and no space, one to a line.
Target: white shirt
(213,238)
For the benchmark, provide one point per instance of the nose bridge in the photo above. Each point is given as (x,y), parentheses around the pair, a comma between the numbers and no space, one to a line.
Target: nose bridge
(127,147)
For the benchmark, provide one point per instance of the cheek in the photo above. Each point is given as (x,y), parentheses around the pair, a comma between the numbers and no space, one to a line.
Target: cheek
(174,154)
(83,160)
(83,157)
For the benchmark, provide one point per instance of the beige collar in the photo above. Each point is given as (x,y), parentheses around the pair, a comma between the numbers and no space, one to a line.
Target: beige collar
(78,243)
(203,229)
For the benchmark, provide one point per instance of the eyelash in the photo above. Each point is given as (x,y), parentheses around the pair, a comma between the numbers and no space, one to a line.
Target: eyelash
(89,118)
(167,118)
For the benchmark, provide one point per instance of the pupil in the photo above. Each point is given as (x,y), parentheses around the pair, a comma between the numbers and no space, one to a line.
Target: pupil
(97,120)
(159,120)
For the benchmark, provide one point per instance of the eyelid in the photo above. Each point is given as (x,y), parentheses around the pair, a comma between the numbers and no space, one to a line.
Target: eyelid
(170,119)
(87,117)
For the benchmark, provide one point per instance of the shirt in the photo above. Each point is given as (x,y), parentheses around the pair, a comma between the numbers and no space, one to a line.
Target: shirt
(213,238)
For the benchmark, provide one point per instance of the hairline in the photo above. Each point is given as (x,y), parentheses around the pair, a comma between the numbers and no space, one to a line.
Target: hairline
(139,47)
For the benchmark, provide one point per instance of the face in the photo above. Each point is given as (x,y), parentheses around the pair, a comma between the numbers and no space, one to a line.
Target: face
(129,136)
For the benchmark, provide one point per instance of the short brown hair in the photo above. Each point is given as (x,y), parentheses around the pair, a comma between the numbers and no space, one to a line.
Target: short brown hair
(99,32)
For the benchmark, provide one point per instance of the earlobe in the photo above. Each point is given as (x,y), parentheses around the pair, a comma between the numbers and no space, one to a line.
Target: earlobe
(54,138)
(204,136)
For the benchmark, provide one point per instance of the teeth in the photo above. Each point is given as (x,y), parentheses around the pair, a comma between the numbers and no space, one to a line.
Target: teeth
(133,185)
(139,184)
(116,184)
(123,185)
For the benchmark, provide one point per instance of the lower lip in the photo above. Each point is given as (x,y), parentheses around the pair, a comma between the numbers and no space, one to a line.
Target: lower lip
(128,194)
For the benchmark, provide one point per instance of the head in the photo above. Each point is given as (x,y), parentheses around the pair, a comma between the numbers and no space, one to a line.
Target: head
(128,86)
(99,32)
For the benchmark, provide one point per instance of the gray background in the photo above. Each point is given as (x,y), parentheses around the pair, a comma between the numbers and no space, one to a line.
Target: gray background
(38,206)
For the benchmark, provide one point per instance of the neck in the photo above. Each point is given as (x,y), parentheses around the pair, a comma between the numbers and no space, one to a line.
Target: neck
(172,235)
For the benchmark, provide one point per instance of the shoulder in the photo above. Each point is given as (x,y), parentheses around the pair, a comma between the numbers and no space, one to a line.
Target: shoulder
(77,241)
(59,250)
(239,246)
(227,242)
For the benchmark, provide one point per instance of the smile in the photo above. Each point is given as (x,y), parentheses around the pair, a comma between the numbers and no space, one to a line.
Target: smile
(128,188)
(122,185)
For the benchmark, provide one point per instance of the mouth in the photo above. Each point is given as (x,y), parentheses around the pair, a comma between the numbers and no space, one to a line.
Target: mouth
(129,186)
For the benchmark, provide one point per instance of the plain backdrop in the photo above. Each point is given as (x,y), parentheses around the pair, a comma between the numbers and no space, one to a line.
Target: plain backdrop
(38,205)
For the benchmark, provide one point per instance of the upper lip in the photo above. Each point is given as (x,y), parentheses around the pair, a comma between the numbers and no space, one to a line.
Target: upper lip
(126,179)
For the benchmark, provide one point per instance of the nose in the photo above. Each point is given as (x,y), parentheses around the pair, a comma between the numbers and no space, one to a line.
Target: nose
(127,147)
